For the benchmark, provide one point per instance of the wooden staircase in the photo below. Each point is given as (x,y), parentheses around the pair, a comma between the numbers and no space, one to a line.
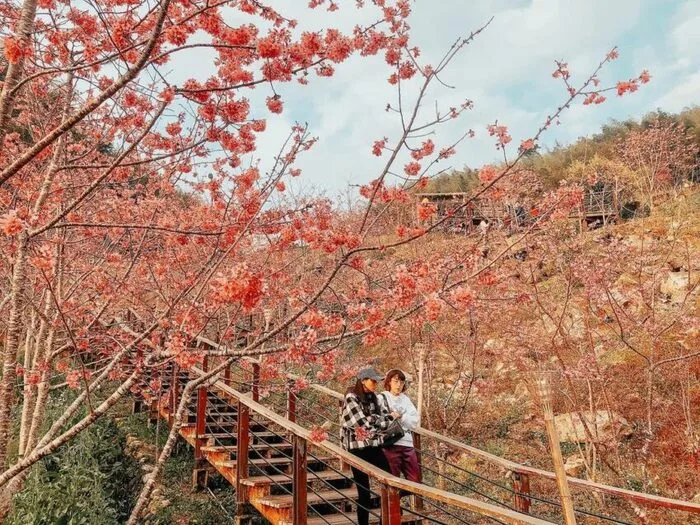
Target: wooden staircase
(258,458)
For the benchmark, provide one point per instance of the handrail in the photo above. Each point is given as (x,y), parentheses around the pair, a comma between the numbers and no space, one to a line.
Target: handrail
(639,497)
(377,474)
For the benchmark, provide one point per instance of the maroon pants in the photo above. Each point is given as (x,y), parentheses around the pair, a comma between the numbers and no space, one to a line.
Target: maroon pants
(403,460)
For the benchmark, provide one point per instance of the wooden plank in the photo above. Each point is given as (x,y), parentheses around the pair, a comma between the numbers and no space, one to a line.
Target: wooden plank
(255,447)
(350,519)
(262,462)
(313,498)
(284,479)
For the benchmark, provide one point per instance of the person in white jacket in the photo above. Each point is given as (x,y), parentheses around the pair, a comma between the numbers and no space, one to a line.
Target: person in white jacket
(401,456)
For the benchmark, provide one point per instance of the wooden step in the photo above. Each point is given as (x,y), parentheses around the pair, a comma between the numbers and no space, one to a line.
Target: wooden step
(225,435)
(282,479)
(286,501)
(349,518)
(231,449)
(211,416)
(263,462)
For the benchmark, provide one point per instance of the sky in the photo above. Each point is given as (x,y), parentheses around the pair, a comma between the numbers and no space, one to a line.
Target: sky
(506,72)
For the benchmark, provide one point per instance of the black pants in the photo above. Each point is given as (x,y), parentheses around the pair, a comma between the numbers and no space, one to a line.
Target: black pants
(376,457)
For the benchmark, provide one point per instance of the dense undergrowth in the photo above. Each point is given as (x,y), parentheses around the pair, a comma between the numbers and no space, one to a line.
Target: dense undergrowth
(94,480)
(88,481)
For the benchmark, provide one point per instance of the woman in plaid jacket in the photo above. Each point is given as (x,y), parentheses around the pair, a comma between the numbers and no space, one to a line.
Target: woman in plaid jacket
(363,420)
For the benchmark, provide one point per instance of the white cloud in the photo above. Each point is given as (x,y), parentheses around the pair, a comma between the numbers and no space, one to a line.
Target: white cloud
(506,71)
(683,95)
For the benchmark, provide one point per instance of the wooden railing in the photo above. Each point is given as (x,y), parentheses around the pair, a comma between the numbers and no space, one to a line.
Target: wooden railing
(390,485)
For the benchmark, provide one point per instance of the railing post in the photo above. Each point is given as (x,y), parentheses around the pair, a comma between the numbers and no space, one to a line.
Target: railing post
(227,375)
(243,507)
(174,383)
(199,474)
(299,480)
(343,465)
(391,506)
(418,500)
(242,442)
(201,421)
(521,486)
(256,382)
(291,402)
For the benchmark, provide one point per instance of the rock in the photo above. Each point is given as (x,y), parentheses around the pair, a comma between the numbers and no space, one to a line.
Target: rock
(635,241)
(600,424)
(492,345)
(676,264)
(521,391)
(675,287)
(696,498)
(574,466)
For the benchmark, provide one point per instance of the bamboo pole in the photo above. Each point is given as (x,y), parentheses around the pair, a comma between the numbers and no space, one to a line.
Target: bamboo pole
(545,393)
(421,363)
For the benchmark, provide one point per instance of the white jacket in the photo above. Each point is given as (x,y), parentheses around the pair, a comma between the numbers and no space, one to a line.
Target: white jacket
(409,415)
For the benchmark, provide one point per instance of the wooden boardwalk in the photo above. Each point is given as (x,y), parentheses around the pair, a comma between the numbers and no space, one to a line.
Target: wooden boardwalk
(461,213)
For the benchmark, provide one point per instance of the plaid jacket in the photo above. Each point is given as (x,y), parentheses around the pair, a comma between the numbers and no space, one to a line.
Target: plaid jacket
(372,418)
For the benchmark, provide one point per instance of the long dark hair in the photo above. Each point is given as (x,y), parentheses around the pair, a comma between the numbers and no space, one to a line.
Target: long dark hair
(366,398)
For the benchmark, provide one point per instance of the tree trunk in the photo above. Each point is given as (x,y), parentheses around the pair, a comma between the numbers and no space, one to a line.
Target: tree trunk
(16,70)
(14,329)
(145,494)
(29,389)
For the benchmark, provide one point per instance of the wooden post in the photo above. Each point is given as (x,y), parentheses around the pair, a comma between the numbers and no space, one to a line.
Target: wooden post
(256,382)
(344,467)
(418,500)
(299,480)
(201,421)
(291,402)
(391,506)
(174,384)
(545,392)
(521,485)
(242,442)
(199,473)
(227,375)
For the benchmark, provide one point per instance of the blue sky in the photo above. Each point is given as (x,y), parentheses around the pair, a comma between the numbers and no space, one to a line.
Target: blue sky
(506,72)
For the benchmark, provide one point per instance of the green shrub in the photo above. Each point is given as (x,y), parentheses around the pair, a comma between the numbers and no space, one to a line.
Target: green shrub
(90,480)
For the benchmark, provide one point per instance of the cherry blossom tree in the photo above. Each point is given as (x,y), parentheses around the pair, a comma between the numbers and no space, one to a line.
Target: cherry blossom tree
(123,190)
(659,157)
